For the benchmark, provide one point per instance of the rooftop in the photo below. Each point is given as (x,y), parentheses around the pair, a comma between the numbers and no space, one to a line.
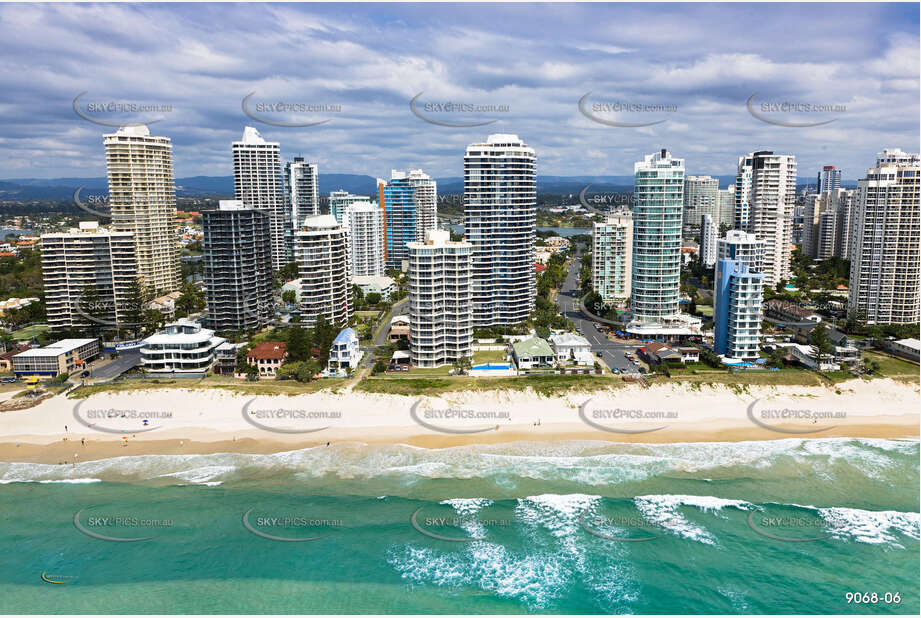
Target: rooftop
(57,348)
(345,335)
(569,339)
(267,350)
(535,346)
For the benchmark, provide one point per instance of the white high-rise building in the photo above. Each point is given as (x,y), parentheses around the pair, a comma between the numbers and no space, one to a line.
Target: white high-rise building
(87,274)
(829,179)
(143,202)
(364,224)
(845,231)
(827,224)
(500,209)
(301,186)
(743,190)
(701,197)
(321,253)
(340,200)
(885,255)
(737,310)
(765,199)
(895,156)
(826,234)
(741,247)
(612,256)
(657,202)
(727,198)
(709,234)
(259,184)
(440,302)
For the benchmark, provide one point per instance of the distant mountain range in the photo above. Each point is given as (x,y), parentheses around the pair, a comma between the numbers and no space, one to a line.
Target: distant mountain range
(29,189)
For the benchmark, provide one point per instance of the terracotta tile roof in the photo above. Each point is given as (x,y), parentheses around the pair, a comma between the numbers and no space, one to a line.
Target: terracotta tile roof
(268,350)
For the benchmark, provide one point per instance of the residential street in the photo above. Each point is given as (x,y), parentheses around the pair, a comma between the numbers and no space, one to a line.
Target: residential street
(567,300)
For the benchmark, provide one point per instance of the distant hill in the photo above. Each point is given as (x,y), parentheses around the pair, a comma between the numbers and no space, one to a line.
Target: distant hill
(30,189)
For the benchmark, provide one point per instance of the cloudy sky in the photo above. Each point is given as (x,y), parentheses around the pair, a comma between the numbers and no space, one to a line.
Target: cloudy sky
(696,65)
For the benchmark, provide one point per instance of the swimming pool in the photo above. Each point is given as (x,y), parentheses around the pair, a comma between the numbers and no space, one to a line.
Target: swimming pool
(492,366)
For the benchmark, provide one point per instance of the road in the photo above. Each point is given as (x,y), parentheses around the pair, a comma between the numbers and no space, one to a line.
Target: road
(380,338)
(127,359)
(567,300)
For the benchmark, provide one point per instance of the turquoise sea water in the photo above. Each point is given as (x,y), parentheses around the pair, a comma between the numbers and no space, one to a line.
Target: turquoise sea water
(574,527)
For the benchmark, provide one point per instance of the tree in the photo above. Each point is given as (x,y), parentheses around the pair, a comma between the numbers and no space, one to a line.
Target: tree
(298,344)
(462,364)
(135,304)
(373,298)
(288,371)
(307,370)
(289,296)
(379,367)
(323,335)
(289,271)
(359,297)
(821,344)
(191,300)
(776,357)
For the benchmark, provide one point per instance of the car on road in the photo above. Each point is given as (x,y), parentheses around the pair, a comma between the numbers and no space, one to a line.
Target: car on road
(7,380)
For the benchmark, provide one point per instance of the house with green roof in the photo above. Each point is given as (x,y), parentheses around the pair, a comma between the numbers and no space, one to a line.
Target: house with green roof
(533,353)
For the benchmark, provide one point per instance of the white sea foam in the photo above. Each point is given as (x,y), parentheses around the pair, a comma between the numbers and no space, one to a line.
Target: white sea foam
(551,563)
(586,463)
(873,527)
(663,511)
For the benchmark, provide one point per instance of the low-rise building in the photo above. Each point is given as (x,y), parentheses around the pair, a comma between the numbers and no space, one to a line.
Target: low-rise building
(906,348)
(572,349)
(785,310)
(806,356)
(12,304)
(656,353)
(345,352)
(533,353)
(225,358)
(399,328)
(369,284)
(267,357)
(182,347)
(846,352)
(689,354)
(165,304)
(63,356)
(6,358)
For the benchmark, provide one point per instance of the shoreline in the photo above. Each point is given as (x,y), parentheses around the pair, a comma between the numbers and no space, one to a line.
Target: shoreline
(204,422)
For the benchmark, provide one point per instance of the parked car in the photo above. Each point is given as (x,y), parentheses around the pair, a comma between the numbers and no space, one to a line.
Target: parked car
(7,380)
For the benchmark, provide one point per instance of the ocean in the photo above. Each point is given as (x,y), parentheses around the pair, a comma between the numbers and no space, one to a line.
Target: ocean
(790,526)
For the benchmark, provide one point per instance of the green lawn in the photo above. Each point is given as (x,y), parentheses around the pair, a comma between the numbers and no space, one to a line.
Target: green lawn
(705,310)
(893,366)
(487,356)
(30,331)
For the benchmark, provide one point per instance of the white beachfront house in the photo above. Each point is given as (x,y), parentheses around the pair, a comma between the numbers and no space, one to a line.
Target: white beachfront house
(345,352)
(533,353)
(572,349)
(181,347)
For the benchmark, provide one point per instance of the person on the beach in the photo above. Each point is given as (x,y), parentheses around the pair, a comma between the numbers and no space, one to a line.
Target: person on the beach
(83,441)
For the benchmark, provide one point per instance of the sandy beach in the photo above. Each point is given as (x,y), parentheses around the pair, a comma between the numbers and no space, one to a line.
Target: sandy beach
(195,421)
